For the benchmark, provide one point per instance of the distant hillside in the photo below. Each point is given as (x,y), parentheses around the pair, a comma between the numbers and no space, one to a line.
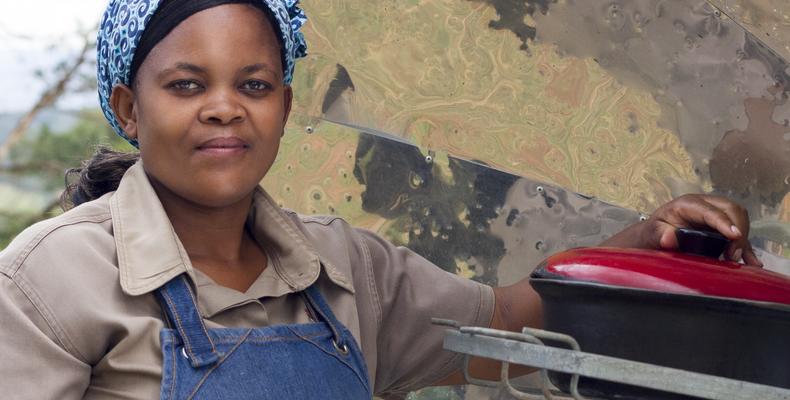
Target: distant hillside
(57,120)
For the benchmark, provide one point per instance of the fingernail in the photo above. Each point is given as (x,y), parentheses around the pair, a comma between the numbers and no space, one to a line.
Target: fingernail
(736,256)
(735,230)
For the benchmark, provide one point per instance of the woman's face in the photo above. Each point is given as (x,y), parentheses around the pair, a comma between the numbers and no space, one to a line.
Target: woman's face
(210,106)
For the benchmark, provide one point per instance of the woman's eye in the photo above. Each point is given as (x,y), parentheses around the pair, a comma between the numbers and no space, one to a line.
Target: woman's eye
(255,86)
(185,85)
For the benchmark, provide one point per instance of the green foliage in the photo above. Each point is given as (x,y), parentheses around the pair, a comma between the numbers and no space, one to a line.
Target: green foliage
(41,159)
(11,223)
(46,154)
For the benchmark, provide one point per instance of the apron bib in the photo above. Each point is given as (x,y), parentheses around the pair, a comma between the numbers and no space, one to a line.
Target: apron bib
(318,360)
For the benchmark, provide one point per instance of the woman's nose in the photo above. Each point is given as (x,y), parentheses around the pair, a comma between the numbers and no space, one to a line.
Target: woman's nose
(222,108)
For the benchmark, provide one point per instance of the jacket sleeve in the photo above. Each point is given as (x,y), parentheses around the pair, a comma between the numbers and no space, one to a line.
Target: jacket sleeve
(411,291)
(33,362)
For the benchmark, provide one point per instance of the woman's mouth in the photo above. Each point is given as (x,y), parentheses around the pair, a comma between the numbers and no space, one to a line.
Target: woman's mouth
(223,146)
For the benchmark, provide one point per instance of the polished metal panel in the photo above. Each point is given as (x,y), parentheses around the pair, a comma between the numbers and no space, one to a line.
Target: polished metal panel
(468,218)
(466,129)
(632,102)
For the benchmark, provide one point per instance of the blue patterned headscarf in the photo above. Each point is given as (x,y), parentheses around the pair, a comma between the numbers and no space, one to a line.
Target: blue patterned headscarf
(125,21)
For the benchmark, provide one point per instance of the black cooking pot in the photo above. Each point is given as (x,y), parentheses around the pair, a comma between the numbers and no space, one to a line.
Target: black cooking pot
(676,310)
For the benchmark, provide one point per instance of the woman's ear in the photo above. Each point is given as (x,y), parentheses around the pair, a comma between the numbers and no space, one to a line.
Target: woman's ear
(122,104)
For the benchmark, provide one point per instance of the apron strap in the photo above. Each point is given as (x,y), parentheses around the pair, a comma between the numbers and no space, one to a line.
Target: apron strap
(319,305)
(179,303)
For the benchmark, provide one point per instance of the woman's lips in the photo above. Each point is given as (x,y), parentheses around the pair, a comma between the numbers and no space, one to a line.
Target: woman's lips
(223,146)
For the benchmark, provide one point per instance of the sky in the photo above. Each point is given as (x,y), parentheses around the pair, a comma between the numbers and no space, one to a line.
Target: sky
(39,34)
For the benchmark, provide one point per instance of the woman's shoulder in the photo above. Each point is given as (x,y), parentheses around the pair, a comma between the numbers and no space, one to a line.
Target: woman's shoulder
(61,278)
(82,231)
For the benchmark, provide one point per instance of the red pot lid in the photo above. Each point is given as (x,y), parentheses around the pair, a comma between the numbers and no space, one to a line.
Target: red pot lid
(668,272)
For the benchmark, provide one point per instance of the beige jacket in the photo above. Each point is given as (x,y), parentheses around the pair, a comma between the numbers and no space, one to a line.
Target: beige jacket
(78,317)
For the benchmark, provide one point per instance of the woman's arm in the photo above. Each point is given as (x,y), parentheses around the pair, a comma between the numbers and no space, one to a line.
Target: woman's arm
(33,364)
(519,305)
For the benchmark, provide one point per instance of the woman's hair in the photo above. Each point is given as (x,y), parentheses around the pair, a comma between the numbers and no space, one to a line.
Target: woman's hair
(95,177)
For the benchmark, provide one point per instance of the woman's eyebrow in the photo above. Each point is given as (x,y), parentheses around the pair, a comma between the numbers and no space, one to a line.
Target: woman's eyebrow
(250,69)
(183,66)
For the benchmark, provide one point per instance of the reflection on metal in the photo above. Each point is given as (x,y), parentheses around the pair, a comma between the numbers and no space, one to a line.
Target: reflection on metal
(632,102)
(465,129)
(465,217)
(767,20)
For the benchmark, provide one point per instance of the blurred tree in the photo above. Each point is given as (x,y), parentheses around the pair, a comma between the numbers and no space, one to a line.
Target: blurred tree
(47,154)
(65,72)
(35,160)
(42,158)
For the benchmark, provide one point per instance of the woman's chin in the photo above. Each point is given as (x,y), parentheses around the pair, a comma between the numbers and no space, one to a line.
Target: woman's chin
(207,187)
(223,193)
(220,198)
(213,193)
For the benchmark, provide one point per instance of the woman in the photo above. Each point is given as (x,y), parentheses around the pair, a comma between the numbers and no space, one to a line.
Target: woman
(176,276)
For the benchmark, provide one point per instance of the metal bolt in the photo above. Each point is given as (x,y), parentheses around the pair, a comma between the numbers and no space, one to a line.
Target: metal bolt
(309,129)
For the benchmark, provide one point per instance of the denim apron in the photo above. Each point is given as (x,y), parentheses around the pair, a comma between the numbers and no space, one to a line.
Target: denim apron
(318,360)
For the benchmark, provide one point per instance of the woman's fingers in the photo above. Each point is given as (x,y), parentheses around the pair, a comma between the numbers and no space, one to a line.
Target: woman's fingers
(693,211)
(666,236)
(749,257)
(737,214)
(705,211)
(739,249)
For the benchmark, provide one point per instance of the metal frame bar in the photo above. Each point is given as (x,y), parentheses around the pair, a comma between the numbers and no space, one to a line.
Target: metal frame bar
(515,348)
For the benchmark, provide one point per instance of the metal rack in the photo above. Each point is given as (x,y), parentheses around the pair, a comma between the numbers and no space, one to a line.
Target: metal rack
(527,348)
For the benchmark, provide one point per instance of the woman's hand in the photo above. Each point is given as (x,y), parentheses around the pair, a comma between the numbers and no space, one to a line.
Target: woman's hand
(692,211)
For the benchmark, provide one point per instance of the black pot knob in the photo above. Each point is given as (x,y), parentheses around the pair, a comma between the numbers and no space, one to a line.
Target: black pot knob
(702,243)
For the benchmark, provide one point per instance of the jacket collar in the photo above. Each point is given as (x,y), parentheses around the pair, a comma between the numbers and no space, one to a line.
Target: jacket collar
(150,253)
